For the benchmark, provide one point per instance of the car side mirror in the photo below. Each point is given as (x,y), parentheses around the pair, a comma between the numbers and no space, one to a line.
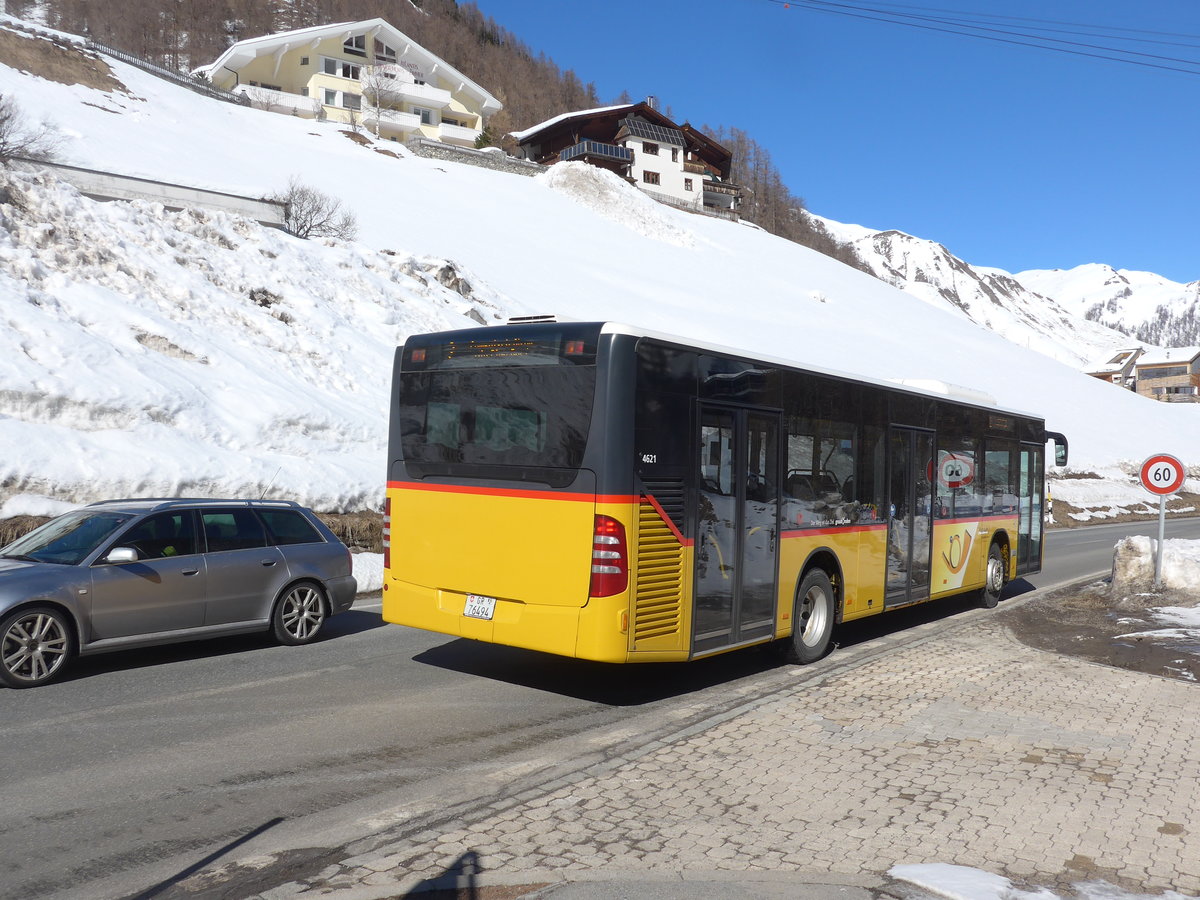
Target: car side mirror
(118,555)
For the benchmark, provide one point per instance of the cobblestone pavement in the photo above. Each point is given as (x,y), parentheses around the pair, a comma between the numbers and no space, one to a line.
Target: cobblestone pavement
(967,748)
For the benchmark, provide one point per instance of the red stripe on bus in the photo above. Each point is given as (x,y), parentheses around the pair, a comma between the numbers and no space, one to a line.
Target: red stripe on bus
(687,542)
(513,492)
(836,529)
(967,520)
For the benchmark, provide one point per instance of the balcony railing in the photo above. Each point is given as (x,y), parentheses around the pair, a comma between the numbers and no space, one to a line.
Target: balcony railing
(718,187)
(271,99)
(393,118)
(458,134)
(400,86)
(595,148)
(425,94)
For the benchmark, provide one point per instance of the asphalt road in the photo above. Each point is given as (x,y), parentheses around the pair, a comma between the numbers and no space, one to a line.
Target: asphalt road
(141,765)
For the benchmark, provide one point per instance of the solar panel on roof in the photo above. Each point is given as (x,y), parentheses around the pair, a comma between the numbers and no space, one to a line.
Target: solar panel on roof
(642,129)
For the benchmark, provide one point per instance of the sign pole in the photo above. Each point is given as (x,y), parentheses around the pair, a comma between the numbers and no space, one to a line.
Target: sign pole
(1162,530)
(1162,475)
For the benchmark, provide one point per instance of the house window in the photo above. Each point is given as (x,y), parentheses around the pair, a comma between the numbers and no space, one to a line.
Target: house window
(304,60)
(303,92)
(340,69)
(425,114)
(330,97)
(687,184)
(650,177)
(351,101)
(384,53)
(356,46)
(651,149)
(674,154)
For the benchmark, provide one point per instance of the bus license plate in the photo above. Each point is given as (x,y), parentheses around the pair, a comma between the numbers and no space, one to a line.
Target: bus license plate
(479,607)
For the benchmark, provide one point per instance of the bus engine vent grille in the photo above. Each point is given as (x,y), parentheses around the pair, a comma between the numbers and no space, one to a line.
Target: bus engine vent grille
(668,493)
(660,562)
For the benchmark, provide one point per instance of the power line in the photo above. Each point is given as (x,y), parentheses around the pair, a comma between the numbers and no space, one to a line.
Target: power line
(966,28)
(994,17)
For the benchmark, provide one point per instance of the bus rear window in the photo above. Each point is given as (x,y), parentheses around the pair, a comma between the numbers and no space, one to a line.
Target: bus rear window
(534,415)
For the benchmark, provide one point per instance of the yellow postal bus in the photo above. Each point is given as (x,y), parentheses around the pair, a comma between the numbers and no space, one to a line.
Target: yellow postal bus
(607,493)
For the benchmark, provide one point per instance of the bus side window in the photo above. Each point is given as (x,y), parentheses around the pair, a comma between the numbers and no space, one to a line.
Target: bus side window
(820,471)
(956,477)
(999,489)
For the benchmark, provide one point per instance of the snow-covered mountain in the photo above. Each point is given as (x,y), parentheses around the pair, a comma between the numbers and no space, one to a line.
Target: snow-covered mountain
(1074,315)
(1149,307)
(147,352)
(992,298)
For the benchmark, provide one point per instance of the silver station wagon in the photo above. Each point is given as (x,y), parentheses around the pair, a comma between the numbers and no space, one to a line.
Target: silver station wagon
(129,573)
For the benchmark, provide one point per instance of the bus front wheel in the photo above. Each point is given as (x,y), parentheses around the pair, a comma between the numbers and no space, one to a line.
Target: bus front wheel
(812,625)
(994,577)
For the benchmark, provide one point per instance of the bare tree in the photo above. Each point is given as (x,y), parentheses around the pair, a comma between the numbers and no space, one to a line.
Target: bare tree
(381,90)
(310,213)
(17,138)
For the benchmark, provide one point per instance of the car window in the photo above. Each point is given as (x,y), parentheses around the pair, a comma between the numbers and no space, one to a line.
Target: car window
(68,539)
(162,534)
(232,529)
(289,527)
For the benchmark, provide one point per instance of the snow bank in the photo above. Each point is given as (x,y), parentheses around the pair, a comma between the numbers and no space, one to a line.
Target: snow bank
(966,883)
(1133,566)
(368,571)
(156,353)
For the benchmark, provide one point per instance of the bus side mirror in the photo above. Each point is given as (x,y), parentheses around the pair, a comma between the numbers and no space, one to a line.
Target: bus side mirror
(1060,447)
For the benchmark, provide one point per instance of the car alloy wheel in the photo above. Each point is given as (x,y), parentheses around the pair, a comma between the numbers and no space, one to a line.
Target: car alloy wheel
(34,645)
(300,614)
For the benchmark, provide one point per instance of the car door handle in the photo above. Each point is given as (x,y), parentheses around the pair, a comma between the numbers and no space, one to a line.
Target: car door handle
(191,571)
(268,562)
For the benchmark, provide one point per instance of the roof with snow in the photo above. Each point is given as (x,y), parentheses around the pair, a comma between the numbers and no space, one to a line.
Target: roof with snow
(1179,355)
(246,51)
(1114,363)
(520,136)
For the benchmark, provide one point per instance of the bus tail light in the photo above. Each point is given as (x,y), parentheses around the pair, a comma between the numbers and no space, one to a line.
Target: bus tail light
(387,533)
(610,558)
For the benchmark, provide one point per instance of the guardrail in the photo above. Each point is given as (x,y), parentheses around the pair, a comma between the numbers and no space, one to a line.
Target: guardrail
(112,186)
(188,81)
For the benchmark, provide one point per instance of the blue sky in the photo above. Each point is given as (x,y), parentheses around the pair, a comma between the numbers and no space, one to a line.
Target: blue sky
(1011,156)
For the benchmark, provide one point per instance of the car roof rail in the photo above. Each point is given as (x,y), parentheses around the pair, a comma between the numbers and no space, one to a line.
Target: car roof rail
(167,502)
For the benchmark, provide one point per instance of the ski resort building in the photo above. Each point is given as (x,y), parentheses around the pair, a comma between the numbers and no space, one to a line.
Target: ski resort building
(674,163)
(360,73)
(1172,374)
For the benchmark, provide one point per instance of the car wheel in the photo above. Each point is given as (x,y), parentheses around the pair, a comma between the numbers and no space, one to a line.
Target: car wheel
(35,645)
(299,614)
(812,625)
(993,577)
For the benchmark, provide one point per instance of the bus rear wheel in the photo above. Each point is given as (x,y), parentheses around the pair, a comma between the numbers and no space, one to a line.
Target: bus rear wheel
(812,622)
(993,582)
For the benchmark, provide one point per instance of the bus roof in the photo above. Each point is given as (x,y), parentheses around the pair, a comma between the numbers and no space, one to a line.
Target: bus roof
(926,387)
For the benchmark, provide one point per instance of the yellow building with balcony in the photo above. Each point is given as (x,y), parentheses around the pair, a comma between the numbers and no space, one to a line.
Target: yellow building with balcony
(358,73)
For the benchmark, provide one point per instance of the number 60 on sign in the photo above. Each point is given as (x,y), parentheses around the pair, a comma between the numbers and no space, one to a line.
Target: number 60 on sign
(1162,474)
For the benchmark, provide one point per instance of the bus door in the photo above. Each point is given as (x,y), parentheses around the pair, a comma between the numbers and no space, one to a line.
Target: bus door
(1029,508)
(910,522)
(737,527)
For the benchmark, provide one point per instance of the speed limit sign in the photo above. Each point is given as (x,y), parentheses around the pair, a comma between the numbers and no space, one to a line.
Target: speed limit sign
(1162,474)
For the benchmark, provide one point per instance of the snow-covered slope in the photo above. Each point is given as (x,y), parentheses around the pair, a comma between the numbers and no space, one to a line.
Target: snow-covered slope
(988,297)
(1143,304)
(147,352)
